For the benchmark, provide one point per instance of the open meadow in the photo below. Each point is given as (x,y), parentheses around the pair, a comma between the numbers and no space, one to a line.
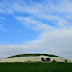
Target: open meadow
(35,67)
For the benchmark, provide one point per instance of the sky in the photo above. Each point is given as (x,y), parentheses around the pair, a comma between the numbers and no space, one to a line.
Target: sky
(36,26)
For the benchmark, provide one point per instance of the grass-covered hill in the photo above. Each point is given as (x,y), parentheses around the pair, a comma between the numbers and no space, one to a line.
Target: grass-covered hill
(23,55)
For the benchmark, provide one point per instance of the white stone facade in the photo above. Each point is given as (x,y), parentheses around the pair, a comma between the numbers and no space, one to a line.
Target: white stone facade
(34,59)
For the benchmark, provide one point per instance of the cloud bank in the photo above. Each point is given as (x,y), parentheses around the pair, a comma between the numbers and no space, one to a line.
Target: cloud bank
(52,19)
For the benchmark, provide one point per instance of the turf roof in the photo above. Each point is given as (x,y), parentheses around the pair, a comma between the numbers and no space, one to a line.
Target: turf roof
(23,55)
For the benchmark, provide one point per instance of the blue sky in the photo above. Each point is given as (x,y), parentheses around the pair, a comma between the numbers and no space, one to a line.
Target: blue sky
(36,26)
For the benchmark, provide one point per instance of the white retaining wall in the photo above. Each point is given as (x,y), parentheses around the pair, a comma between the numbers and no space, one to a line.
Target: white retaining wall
(33,59)
(21,59)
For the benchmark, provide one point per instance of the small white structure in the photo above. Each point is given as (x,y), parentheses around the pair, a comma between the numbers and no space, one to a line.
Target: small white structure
(35,59)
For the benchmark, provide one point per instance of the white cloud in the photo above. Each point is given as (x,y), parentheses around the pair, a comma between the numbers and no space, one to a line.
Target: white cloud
(57,42)
(10,50)
(45,11)
(55,39)
(37,25)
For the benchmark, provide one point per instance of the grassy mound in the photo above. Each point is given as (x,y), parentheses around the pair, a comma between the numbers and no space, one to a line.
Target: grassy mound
(22,55)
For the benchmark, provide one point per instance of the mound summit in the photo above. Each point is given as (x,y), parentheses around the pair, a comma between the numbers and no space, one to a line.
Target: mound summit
(24,55)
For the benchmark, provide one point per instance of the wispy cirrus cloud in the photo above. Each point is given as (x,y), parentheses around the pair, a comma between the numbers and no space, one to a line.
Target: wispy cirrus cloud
(36,25)
(52,19)
(2,18)
(44,12)
(1,11)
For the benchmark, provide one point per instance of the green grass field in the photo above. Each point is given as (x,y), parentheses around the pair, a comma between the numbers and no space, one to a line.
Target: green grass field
(35,67)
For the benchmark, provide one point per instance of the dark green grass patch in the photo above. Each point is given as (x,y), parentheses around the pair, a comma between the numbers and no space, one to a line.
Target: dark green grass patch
(35,67)
(22,55)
